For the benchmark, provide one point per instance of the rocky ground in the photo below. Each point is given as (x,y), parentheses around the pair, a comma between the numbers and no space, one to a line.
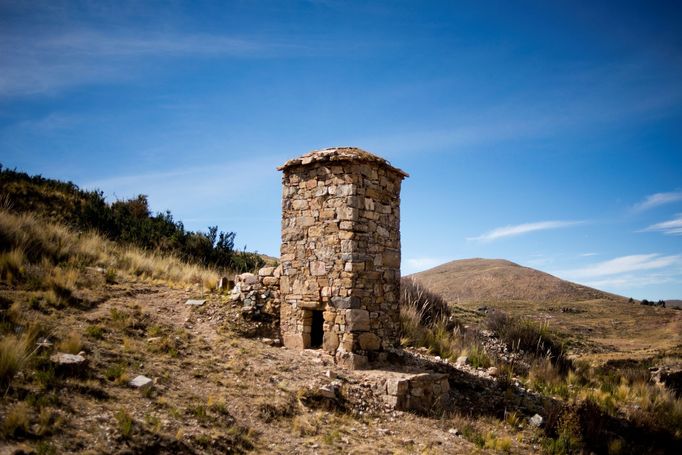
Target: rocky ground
(221,384)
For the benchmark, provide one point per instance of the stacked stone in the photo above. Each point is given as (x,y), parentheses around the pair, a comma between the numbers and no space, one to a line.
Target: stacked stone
(340,252)
(258,292)
(425,392)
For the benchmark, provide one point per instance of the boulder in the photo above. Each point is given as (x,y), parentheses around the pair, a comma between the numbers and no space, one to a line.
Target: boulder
(64,359)
(536,420)
(141,382)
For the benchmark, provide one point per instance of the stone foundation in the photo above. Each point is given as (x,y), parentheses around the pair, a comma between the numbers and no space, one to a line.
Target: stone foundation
(422,392)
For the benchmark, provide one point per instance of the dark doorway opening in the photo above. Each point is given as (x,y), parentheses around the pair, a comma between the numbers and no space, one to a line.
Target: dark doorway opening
(316,330)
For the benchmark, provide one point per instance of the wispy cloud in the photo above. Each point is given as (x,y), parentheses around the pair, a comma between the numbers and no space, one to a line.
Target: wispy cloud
(45,62)
(630,281)
(657,199)
(586,255)
(670,227)
(520,229)
(624,264)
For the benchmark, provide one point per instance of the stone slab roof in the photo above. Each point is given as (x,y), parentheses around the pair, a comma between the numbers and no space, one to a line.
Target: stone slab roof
(339,154)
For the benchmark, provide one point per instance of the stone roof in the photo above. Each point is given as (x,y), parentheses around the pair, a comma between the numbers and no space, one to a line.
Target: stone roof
(339,154)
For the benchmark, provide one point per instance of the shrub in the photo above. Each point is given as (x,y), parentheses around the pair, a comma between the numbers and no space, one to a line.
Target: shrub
(124,423)
(529,337)
(95,331)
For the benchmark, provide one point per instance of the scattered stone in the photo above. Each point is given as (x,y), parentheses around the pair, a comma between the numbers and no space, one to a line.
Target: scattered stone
(326,391)
(492,371)
(461,361)
(536,420)
(44,343)
(453,431)
(266,271)
(330,374)
(195,302)
(247,278)
(141,382)
(64,359)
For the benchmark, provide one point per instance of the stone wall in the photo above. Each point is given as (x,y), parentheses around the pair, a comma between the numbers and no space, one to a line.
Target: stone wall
(340,254)
(424,392)
(258,293)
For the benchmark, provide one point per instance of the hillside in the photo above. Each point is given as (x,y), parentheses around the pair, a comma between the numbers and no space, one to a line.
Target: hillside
(595,325)
(215,386)
(128,221)
(498,280)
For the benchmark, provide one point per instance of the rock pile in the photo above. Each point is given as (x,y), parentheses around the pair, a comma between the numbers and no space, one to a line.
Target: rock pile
(258,293)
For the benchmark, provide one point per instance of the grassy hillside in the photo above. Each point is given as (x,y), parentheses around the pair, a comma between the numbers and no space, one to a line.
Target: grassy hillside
(126,221)
(596,325)
(217,390)
(497,280)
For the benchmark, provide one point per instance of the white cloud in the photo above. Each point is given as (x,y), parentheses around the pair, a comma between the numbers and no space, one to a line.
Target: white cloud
(624,264)
(46,62)
(585,255)
(519,229)
(414,265)
(631,281)
(655,200)
(670,227)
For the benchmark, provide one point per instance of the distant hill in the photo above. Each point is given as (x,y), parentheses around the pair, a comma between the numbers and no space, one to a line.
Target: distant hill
(677,303)
(497,280)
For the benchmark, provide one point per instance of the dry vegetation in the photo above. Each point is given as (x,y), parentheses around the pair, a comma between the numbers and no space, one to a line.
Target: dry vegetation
(609,408)
(216,391)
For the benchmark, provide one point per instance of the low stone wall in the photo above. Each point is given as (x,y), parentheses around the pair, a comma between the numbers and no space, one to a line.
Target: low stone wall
(258,292)
(422,392)
(425,392)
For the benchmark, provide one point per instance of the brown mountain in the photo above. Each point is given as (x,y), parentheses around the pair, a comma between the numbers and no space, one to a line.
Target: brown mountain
(496,280)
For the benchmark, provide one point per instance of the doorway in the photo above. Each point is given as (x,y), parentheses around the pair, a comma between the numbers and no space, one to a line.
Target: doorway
(316,330)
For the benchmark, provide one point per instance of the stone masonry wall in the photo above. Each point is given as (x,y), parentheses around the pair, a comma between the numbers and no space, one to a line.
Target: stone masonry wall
(257,292)
(340,254)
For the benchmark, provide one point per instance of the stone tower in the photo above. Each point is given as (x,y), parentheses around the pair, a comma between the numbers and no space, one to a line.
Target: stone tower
(340,254)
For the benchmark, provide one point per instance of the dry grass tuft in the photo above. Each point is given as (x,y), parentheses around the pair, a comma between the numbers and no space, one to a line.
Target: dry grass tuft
(71,344)
(13,353)
(426,321)
(16,421)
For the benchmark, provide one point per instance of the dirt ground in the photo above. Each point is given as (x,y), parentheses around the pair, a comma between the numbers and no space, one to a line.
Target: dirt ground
(218,391)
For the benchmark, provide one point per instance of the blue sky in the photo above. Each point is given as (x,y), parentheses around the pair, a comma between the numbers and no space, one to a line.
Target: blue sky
(546,133)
